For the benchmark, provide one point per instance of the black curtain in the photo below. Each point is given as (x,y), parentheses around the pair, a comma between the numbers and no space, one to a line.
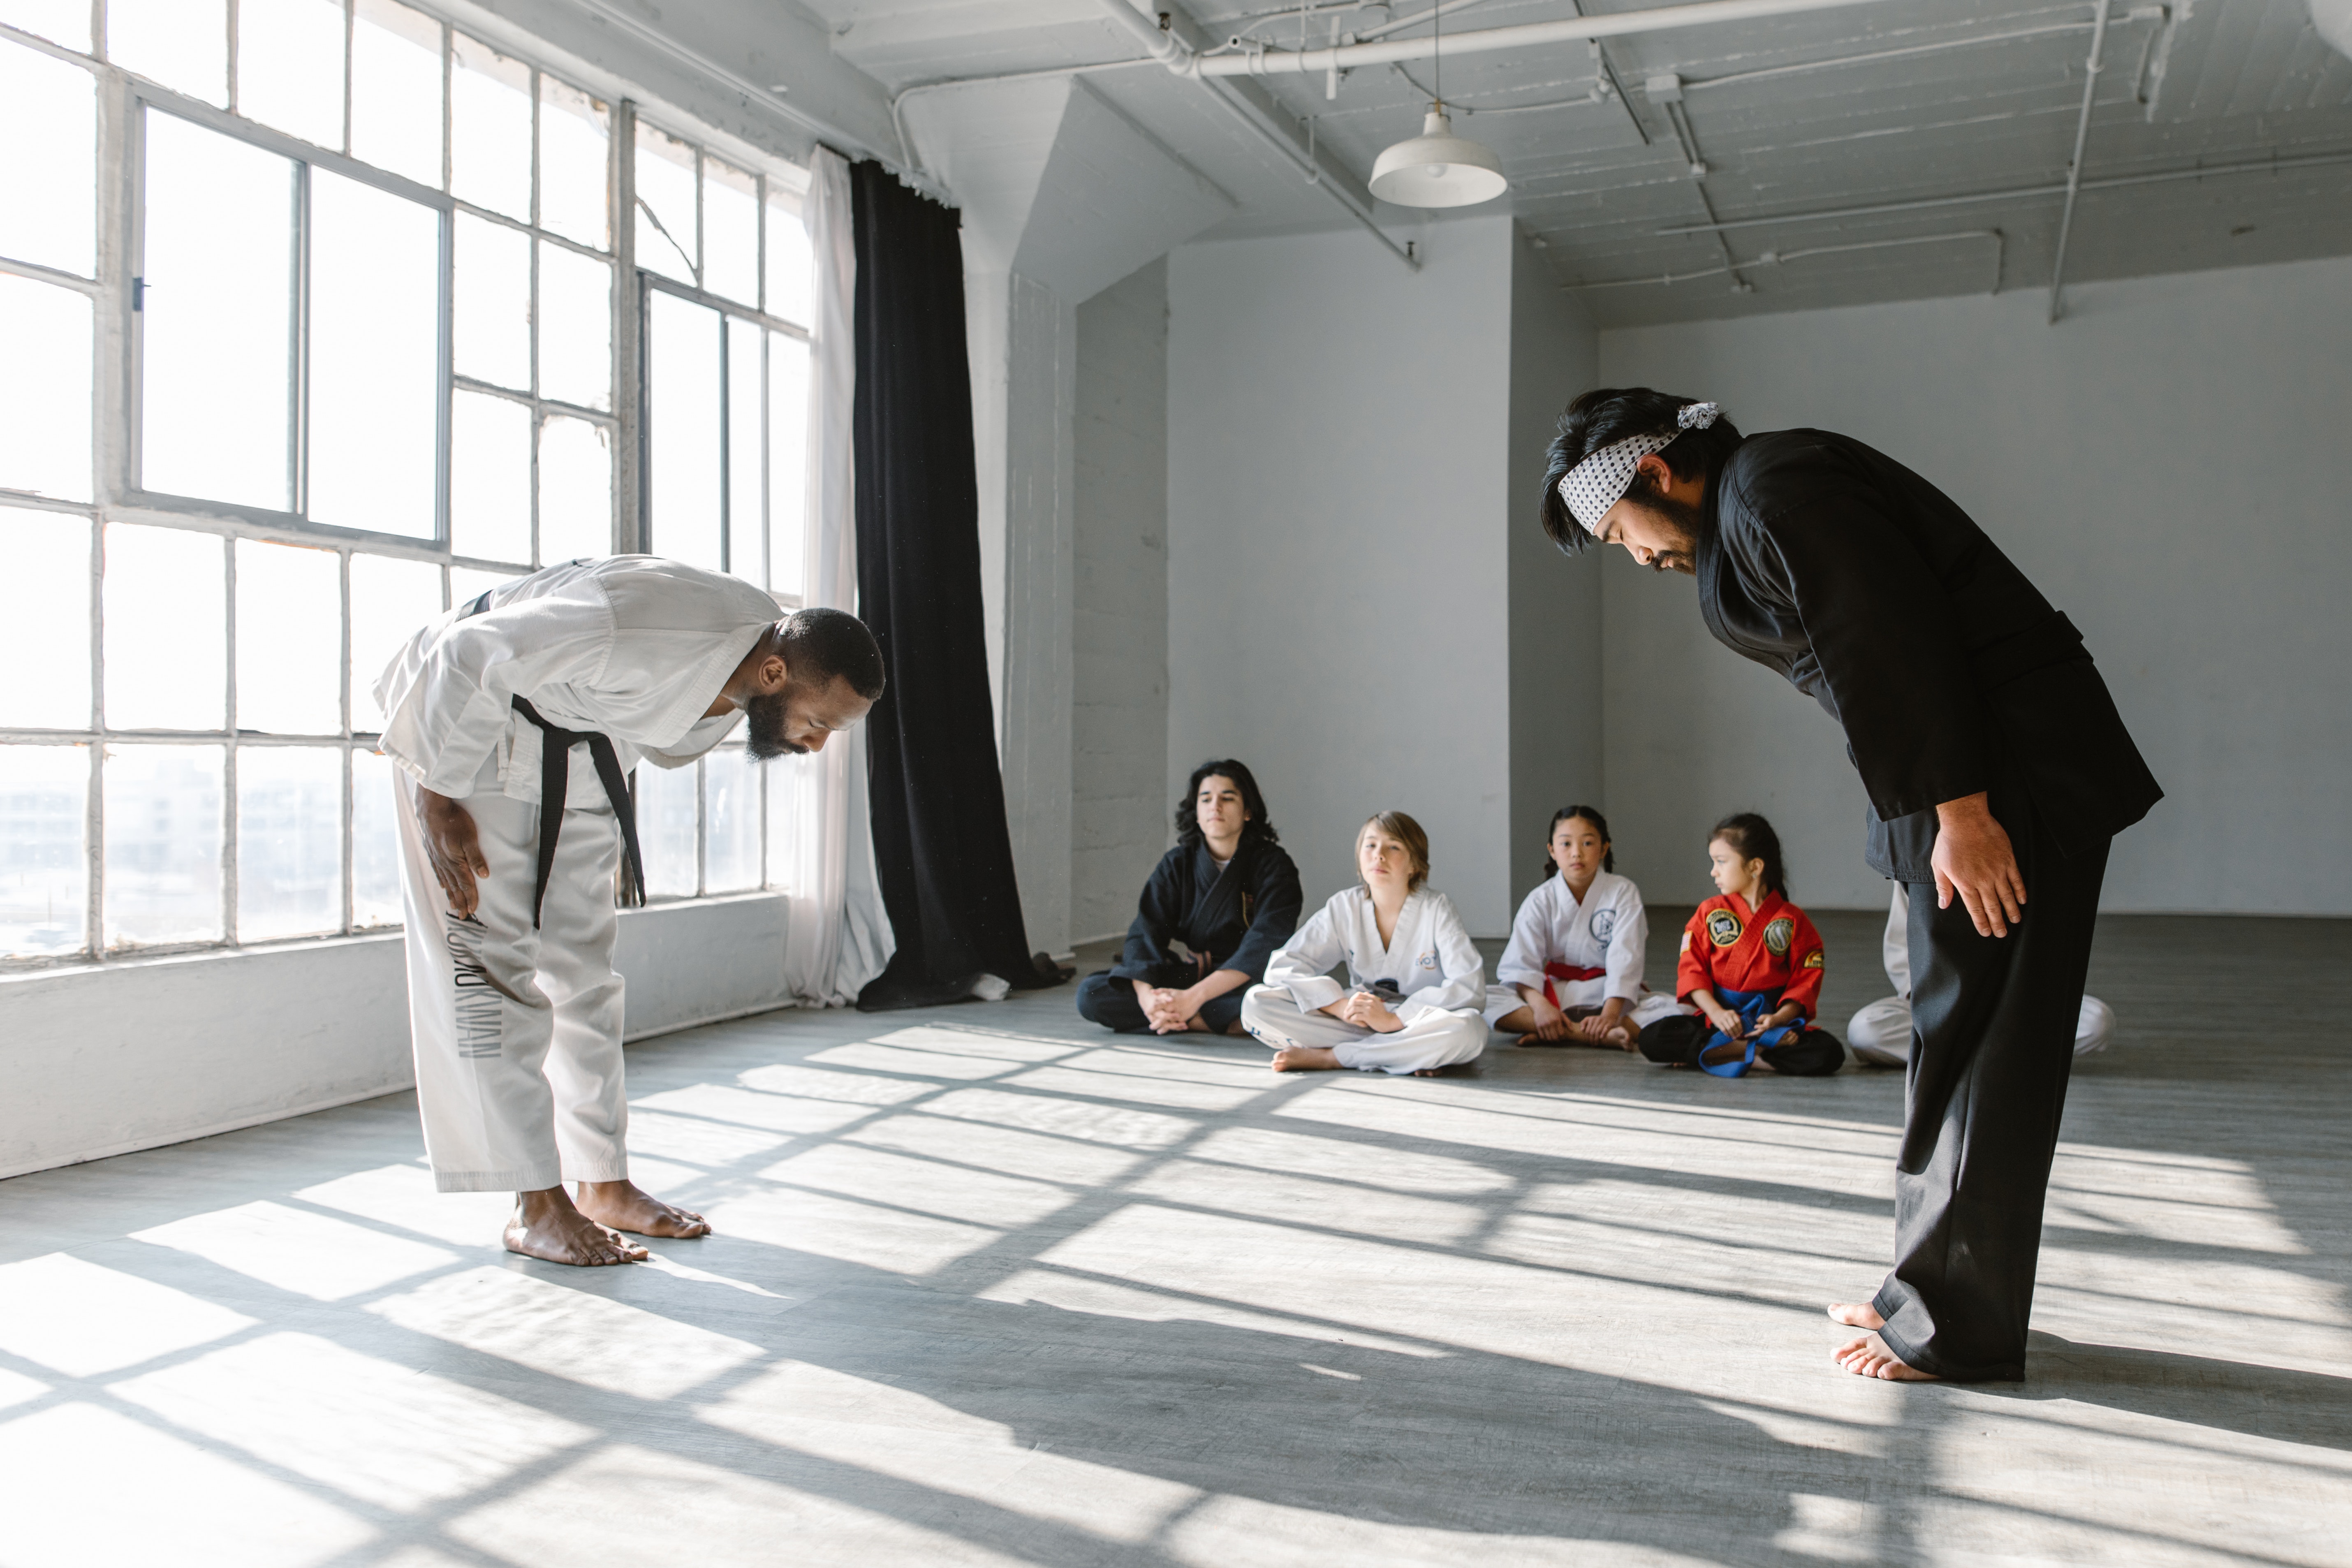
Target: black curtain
(940,839)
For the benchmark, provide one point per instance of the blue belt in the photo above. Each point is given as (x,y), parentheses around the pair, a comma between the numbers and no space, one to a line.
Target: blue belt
(1750,1005)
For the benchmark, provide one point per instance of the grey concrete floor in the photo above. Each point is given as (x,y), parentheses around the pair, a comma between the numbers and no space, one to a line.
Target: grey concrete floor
(990,1286)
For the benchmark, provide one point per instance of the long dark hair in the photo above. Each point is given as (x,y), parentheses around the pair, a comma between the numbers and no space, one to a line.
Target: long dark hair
(1752,839)
(1258,829)
(1607,415)
(1599,825)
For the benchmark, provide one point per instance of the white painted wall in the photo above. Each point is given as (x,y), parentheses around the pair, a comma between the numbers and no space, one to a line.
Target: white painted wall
(104,1060)
(1555,713)
(2169,465)
(1338,466)
(1118,724)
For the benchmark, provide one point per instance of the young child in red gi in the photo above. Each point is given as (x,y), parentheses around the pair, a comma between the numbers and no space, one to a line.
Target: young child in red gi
(1751,965)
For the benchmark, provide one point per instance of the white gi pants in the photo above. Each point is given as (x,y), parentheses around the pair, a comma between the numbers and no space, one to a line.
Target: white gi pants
(518,1031)
(1431,1039)
(1881,1033)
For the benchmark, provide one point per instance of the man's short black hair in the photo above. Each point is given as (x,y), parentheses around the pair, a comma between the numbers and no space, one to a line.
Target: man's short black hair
(1607,415)
(820,644)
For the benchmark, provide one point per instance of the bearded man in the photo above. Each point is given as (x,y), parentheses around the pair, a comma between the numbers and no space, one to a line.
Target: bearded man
(1997,768)
(514,721)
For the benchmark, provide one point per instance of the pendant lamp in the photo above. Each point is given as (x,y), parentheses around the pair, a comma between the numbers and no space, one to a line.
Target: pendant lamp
(1437,168)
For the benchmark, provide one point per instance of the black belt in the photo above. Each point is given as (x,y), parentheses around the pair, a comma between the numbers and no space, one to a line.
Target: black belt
(554,780)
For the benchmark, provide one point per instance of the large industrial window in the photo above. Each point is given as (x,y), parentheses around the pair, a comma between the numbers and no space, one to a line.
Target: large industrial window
(347,356)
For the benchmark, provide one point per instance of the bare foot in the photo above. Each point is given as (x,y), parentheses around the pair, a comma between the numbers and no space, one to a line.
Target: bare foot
(1869,1357)
(1305,1058)
(546,1225)
(625,1206)
(1857,1315)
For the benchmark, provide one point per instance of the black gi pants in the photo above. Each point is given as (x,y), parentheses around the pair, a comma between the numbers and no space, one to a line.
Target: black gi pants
(1993,1042)
(1814,1053)
(1111,1003)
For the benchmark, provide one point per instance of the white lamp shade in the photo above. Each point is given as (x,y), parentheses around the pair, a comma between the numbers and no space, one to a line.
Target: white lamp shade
(1438,169)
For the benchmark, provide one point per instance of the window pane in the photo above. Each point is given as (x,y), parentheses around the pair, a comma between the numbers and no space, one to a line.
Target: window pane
(666,805)
(44,636)
(575,489)
(183,44)
(375,843)
(397,90)
(574,175)
(162,844)
(730,795)
(290,639)
(788,387)
(666,241)
(747,545)
(48,184)
(682,431)
(217,355)
(491,338)
(44,397)
(64,22)
(391,602)
(490,478)
(166,600)
(489,128)
(289,67)
(792,827)
(575,328)
(43,866)
(289,841)
(375,375)
(792,271)
(730,232)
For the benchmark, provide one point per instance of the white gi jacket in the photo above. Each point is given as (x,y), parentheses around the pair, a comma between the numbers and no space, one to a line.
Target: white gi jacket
(1430,960)
(634,647)
(1608,930)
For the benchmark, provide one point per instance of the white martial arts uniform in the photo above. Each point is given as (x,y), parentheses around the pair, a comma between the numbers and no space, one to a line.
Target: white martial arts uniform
(518,1027)
(1430,959)
(1881,1033)
(1608,931)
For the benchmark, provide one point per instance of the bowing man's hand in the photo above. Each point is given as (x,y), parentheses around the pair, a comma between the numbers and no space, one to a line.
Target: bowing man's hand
(1974,858)
(454,845)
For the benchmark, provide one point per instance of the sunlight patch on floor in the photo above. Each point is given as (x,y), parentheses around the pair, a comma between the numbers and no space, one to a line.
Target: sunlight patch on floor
(308,1254)
(82,1319)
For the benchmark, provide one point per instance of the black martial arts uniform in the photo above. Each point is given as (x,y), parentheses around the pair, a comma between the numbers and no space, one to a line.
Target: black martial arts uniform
(1232,919)
(1950,674)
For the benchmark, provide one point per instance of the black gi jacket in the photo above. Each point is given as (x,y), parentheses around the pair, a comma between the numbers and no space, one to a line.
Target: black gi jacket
(1233,921)
(1949,673)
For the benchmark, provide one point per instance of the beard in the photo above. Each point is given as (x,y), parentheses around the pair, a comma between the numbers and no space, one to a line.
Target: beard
(767,716)
(1682,521)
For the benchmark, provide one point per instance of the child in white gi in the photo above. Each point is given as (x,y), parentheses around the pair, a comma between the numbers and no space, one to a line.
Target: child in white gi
(1881,1033)
(1572,973)
(1416,986)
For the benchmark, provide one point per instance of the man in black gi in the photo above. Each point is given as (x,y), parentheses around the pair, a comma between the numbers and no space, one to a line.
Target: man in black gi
(1997,767)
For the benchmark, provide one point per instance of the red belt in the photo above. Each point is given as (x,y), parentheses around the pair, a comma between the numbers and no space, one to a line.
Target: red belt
(1562,972)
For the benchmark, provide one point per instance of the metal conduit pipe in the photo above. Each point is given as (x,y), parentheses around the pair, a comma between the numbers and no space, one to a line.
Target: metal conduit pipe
(1171,51)
(1348,57)
(2091,69)
(1780,258)
(2020,193)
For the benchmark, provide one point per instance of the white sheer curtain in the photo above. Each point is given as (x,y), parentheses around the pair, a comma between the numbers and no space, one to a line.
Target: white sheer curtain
(840,936)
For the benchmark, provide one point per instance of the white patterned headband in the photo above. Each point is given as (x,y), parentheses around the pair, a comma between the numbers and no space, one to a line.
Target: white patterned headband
(1600,481)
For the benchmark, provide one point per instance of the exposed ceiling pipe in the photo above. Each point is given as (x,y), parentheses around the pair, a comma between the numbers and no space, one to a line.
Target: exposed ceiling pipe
(1348,57)
(1165,47)
(2091,69)
(2021,193)
(1779,257)
(1732,79)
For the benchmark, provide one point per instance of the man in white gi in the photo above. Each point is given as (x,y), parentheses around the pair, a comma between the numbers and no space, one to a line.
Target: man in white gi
(514,720)
(1881,1033)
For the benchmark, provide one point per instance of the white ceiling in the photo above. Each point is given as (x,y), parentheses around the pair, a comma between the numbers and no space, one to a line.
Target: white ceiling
(1967,111)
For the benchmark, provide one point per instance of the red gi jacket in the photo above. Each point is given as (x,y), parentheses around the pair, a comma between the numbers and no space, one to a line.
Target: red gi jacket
(1727,946)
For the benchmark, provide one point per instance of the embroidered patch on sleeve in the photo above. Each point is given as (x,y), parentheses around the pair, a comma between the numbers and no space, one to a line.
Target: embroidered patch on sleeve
(1685,941)
(1814,959)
